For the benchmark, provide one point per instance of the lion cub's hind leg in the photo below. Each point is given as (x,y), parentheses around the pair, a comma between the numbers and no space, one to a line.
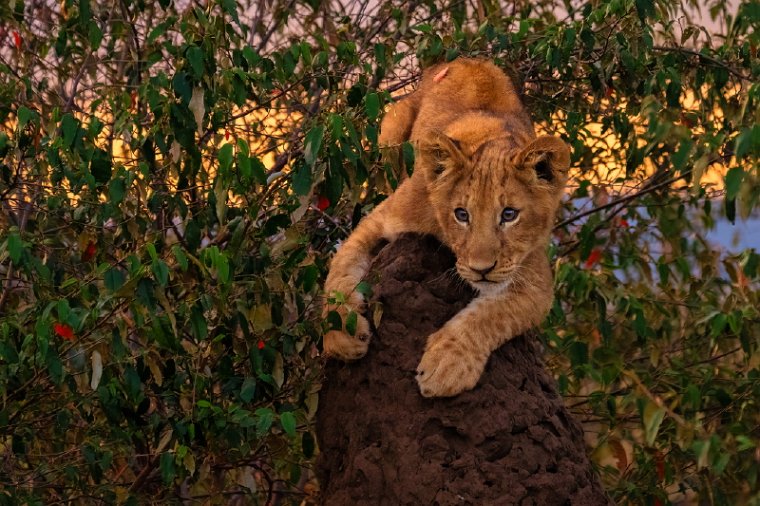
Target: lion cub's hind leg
(397,123)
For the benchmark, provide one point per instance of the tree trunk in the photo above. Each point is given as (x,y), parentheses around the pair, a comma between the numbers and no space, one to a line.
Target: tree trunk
(508,441)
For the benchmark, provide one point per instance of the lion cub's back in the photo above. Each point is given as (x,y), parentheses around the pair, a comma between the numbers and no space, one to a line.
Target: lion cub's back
(451,89)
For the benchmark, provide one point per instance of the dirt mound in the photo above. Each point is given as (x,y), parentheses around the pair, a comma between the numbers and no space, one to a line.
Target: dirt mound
(508,441)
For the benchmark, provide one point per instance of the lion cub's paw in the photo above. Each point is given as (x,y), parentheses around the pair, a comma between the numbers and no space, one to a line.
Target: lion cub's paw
(342,345)
(445,369)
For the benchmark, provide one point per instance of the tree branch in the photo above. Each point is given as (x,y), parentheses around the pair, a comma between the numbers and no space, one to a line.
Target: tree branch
(707,58)
(623,200)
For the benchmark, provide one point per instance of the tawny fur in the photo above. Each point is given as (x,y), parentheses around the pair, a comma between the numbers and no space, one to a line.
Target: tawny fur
(475,149)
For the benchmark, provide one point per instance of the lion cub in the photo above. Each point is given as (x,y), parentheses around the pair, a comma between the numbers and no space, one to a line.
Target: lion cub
(484,185)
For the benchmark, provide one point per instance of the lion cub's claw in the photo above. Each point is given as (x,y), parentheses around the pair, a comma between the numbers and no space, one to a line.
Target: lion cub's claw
(445,370)
(341,345)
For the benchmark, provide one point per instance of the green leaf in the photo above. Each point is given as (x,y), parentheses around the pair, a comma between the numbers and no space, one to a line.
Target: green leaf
(288,422)
(248,390)
(251,56)
(179,255)
(408,152)
(230,7)
(313,143)
(3,151)
(15,247)
(221,191)
(100,166)
(181,87)
(8,353)
(94,35)
(159,30)
(364,288)
(195,58)
(265,418)
(55,366)
(692,397)
(198,323)
(69,129)
(355,95)
(743,143)
(151,249)
(244,168)
(351,322)
(578,353)
(718,324)
(651,418)
(734,179)
(701,449)
(372,105)
(645,8)
(681,155)
(306,53)
(161,271)
(334,320)
(309,278)
(730,208)
(63,309)
(751,264)
(24,115)
(302,180)
(744,443)
(225,158)
(168,471)
(114,279)
(259,171)
(116,190)
(222,265)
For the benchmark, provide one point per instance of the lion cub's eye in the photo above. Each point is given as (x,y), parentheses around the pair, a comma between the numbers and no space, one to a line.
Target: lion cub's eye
(509,214)
(461,215)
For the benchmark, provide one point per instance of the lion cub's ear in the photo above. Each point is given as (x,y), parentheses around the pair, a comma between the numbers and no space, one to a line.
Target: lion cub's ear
(438,156)
(548,157)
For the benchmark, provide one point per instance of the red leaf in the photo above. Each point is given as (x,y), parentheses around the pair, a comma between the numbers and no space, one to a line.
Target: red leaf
(17,39)
(593,258)
(623,223)
(619,453)
(659,462)
(322,203)
(89,252)
(64,331)
(226,135)
(261,344)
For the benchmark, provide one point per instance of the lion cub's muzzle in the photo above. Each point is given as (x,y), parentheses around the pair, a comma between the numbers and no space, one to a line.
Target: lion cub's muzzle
(481,275)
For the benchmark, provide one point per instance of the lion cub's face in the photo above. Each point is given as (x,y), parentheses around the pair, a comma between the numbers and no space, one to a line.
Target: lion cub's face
(496,205)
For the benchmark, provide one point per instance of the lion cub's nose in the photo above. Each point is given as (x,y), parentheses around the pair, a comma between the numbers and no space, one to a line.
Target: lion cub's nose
(482,270)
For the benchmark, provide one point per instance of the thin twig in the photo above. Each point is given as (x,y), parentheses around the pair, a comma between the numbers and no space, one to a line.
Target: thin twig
(708,58)
(624,199)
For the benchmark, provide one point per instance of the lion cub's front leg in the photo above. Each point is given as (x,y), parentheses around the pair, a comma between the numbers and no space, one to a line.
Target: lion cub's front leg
(456,355)
(348,268)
